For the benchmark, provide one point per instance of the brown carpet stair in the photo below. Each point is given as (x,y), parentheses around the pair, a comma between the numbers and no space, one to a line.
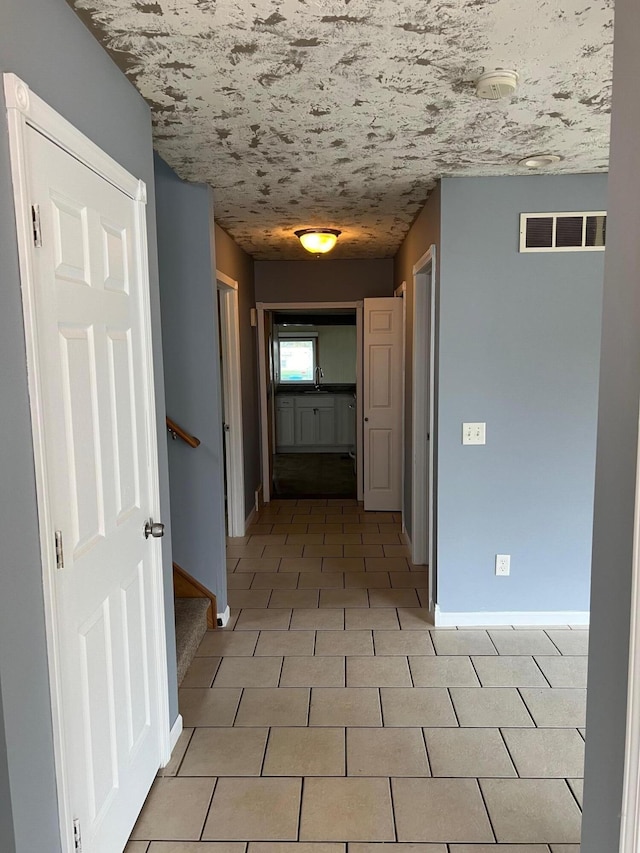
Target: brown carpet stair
(191,626)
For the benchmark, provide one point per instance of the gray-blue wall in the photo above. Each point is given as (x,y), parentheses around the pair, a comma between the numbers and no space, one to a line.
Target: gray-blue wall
(45,44)
(519,349)
(613,529)
(190,338)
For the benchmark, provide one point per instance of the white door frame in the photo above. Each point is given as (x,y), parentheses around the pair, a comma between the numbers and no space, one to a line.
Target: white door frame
(630,815)
(25,109)
(423,420)
(232,385)
(401,293)
(262,367)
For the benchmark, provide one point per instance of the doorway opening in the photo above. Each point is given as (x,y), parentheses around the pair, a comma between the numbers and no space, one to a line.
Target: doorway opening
(310,364)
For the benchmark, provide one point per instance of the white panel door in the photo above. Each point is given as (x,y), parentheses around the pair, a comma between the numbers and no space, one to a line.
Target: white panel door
(93,332)
(382,404)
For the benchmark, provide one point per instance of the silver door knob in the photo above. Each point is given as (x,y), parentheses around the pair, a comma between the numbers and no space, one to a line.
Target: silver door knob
(153,528)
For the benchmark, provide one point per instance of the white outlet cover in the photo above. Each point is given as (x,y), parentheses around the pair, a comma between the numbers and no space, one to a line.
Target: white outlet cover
(474,433)
(503,565)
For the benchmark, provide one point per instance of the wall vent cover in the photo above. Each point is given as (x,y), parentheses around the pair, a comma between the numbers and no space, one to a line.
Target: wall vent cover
(563,232)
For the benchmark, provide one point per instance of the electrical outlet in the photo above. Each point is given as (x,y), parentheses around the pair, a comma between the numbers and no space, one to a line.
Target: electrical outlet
(474,433)
(503,565)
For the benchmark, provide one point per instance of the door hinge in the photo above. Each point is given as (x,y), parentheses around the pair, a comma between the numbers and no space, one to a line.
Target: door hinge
(35,223)
(77,838)
(59,551)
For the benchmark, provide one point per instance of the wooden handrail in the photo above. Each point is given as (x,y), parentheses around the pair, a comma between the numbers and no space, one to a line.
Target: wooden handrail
(177,432)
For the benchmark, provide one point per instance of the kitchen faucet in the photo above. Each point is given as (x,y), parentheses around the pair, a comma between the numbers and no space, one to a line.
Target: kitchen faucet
(319,375)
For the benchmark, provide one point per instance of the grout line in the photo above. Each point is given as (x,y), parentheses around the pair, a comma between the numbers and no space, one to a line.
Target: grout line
(573,795)
(484,803)
(393,810)
(535,725)
(235,716)
(506,746)
(206,817)
(473,666)
(540,668)
(426,750)
(302,781)
(455,712)
(179,767)
(264,754)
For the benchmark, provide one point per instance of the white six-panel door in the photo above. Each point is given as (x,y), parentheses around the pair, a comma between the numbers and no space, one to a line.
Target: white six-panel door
(382,406)
(95,381)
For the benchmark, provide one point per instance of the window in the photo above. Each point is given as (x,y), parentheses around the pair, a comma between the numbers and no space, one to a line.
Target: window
(563,232)
(298,359)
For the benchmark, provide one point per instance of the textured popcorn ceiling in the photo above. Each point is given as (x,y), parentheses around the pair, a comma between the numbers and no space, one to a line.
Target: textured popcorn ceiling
(343,113)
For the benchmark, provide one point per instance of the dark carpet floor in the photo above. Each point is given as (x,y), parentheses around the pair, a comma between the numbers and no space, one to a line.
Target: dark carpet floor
(303,475)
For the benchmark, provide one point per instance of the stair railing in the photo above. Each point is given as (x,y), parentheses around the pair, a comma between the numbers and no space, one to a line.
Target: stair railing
(177,432)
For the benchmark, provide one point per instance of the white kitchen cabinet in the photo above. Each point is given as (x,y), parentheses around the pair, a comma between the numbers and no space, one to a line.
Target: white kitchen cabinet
(285,424)
(345,421)
(315,422)
(306,427)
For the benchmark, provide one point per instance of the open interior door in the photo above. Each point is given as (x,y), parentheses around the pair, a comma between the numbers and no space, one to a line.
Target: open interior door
(382,405)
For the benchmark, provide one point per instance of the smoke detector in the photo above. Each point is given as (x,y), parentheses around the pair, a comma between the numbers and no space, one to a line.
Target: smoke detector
(497,84)
(539,161)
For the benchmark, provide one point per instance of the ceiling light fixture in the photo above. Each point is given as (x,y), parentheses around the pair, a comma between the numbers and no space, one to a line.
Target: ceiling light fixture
(497,84)
(318,241)
(539,161)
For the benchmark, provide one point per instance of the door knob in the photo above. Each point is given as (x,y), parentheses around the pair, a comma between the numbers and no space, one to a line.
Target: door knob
(154,529)
(366,419)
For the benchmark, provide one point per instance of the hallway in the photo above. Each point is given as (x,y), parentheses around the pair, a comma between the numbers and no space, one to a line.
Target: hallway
(329,718)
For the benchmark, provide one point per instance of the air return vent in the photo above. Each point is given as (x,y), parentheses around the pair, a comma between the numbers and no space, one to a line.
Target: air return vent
(563,232)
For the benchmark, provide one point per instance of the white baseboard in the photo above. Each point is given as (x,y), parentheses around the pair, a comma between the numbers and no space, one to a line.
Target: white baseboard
(259,498)
(250,519)
(406,538)
(176,731)
(513,617)
(223,618)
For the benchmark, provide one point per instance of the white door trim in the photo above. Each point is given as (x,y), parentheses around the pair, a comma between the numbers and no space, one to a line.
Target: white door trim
(423,421)
(401,293)
(232,383)
(630,815)
(25,109)
(262,384)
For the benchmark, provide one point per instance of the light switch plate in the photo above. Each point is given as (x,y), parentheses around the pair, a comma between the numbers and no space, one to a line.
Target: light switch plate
(474,433)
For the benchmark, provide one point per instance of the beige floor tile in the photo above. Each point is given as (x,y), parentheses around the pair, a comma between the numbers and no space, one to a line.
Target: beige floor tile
(343,643)
(281,643)
(396,550)
(321,580)
(443,671)
(346,810)
(527,811)
(343,564)
(343,539)
(244,551)
(378,671)
(523,642)
(137,847)
(301,537)
(501,848)
(490,706)
(178,754)
(323,551)
(294,847)
(290,551)
(294,597)
(263,620)
(208,707)
(508,671)
(569,671)
(248,672)
(363,528)
(259,529)
(577,787)
(316,518)
(558,707)
(323,620)
(386,564)
(417,706)
(386,752)
(381,538)
(283,706)
(267,539)
(467,752)
(313,672)
(407,580)
(225,752)
(274,580)
(225,642)
(231,563)
(196,847)
(401,643)
(265,809)
(367,580)
(440,810)
(257,564)
(201,672)
(415,619)
(565,848)
(343,598)
(546,753)
(356,706)
(400,598)
(175,809)
(302,565)
(570,642)
(239,580)
(368,550)
(325,528)
(239,598)
(465,642)
(305,752)
(398,848)
(382,618)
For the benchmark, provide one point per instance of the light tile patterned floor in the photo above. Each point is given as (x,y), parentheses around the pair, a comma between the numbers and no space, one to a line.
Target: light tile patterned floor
(330,717)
